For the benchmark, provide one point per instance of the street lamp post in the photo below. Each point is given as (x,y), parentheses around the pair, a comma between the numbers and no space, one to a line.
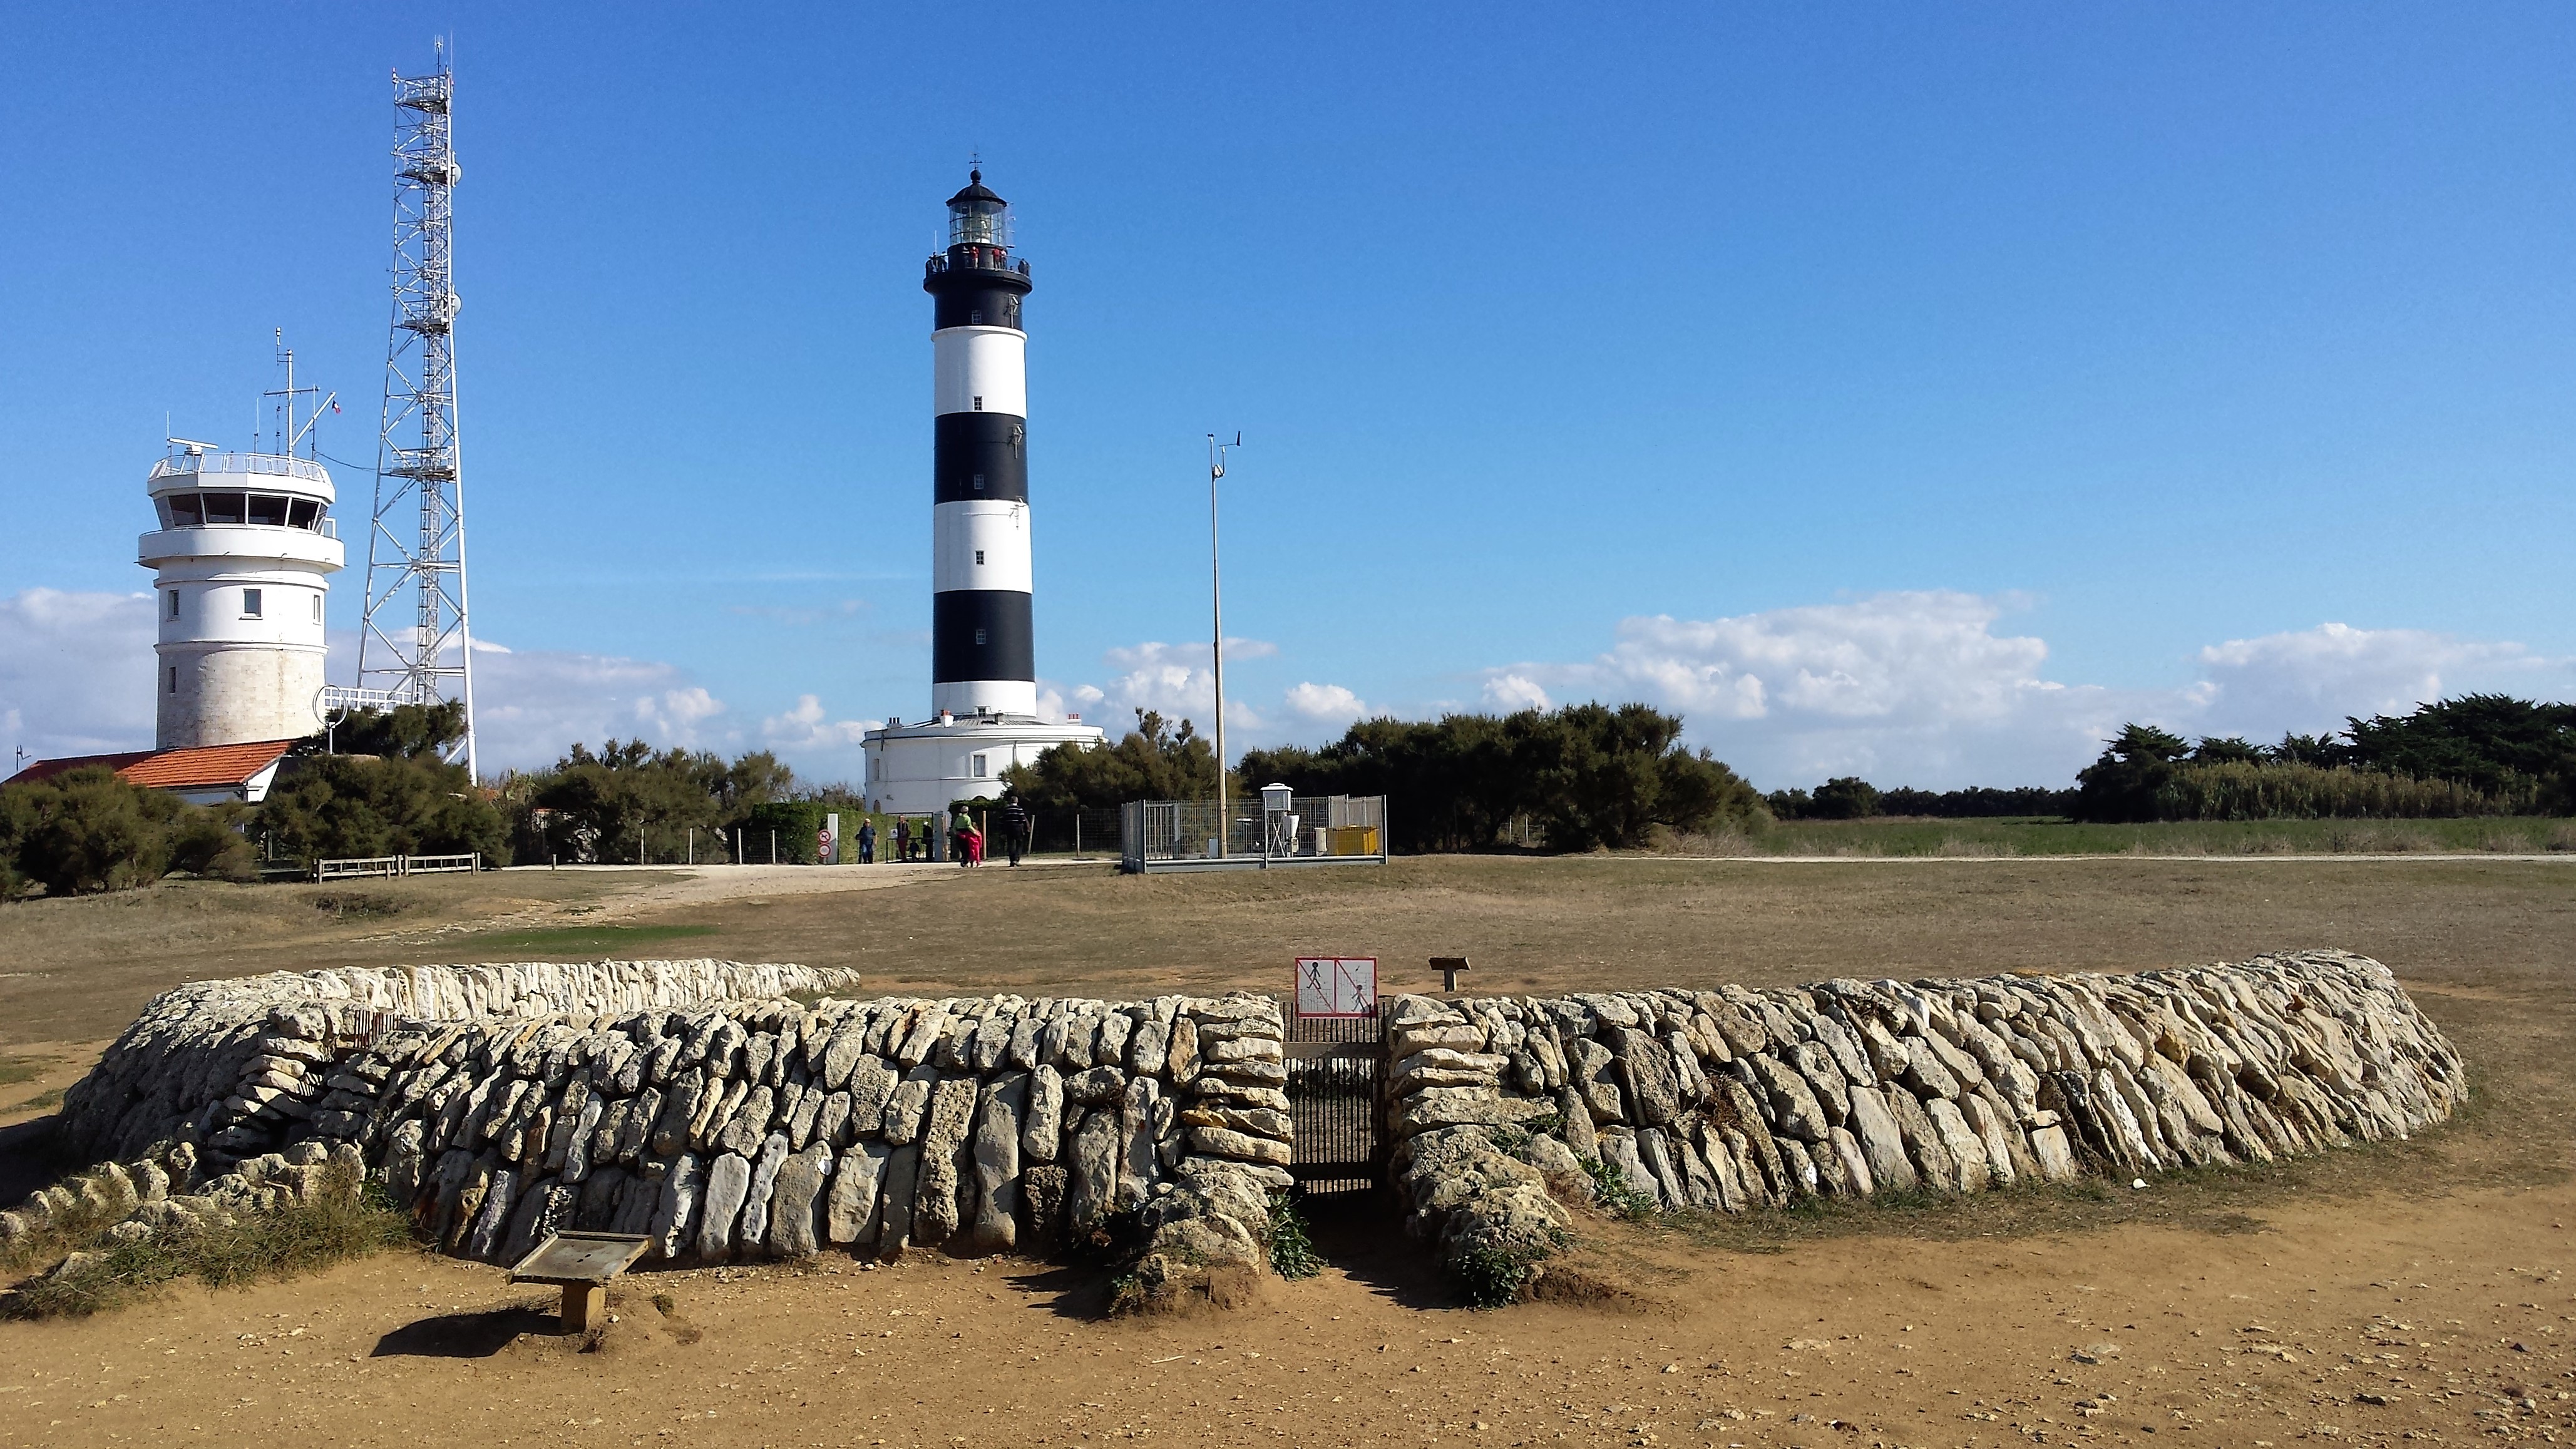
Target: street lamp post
(1216,613)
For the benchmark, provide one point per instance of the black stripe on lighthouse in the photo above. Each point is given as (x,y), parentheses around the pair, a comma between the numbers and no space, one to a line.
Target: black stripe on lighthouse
(979,457)
(982,634)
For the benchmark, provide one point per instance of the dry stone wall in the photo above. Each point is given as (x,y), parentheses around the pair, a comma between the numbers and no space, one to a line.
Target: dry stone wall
(626,1097)
(1736,1099)
(240,1066)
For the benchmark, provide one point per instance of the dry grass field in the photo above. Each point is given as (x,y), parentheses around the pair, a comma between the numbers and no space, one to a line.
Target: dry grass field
(2415,1291)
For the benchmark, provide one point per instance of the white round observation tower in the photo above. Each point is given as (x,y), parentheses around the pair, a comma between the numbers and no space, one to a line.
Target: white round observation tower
(241,564)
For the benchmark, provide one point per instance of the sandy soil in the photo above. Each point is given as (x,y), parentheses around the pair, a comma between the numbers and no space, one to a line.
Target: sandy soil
(2228,1309)
(2400,1322)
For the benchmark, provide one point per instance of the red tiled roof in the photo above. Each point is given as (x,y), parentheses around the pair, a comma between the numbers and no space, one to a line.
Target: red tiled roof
(48,769)
(196,768)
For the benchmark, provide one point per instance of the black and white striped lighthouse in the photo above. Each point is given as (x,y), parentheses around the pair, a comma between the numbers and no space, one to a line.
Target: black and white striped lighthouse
(983,650)
(983,661)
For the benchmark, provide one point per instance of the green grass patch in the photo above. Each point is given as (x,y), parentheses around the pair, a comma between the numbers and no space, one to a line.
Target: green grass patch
(14,1070)
(579,940)
(41,1101)
(345,1220)
(1909,836)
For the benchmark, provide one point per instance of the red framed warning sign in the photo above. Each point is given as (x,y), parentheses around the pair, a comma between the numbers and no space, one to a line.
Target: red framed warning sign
(1336,987)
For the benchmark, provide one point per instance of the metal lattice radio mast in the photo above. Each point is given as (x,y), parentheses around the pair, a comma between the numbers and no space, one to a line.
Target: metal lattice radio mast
(415,646)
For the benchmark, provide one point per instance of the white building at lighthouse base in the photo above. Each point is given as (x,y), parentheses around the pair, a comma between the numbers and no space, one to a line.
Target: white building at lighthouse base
(922,769)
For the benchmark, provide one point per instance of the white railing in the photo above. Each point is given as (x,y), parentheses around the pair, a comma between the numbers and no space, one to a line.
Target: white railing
(270,463)
(344,697)
(396,865)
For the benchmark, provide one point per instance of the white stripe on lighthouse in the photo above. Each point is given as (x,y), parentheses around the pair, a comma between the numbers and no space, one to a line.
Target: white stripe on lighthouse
(980,546)
(980,370)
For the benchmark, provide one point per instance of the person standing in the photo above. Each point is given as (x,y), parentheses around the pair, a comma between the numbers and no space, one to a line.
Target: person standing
(867,841)
(1015,829)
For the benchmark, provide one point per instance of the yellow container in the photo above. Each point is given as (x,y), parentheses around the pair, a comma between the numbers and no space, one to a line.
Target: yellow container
(1354,839)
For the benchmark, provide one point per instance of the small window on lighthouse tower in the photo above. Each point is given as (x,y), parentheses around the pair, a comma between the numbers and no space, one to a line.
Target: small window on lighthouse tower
(979,402)
(979,636)
(975,318)
(250,603)
(979,482)
(979,558)
(174,604)
(317,608)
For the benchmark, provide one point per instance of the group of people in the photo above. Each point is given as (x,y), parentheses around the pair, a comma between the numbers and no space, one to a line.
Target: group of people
(913,841)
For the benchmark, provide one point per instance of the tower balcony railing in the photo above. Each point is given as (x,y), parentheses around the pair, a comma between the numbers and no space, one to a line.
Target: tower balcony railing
(976,259)
(274,464)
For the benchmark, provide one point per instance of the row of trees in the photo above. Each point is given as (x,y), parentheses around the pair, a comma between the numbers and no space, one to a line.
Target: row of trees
(2482,754)
(1583,776)
(1848,797)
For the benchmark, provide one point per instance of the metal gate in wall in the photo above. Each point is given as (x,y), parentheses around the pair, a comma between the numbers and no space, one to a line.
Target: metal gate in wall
(1334,1065)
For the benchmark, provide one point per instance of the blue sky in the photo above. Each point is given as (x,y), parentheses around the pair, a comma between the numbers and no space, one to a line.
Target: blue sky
(1916,391)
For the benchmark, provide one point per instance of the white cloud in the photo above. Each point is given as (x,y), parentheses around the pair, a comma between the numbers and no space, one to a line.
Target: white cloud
(809,727)
(1920,688)
(1325,703)
(531,705)
(2333,671)
(1177,681)
(75,672)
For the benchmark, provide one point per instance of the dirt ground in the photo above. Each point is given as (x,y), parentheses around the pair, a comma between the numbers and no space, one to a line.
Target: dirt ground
(2415,1291)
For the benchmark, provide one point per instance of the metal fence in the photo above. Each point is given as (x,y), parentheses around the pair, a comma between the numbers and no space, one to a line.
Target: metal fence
(1252,834)
(1335,1066)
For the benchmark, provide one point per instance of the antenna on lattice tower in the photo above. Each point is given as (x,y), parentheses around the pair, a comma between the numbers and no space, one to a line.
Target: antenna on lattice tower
(415,646)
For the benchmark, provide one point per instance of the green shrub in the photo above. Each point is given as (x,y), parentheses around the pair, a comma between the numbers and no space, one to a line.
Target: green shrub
(1494,1277)
(85,830)
(206,842)
(2249,791)
(1612,1193)
(346,1219)
(342,806)
(1292,1246)
(799,824)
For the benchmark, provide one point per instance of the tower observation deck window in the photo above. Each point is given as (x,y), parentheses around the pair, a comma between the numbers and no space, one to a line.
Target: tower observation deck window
(224,507)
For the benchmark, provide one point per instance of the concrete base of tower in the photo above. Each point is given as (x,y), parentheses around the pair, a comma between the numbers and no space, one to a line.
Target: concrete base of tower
(922,769)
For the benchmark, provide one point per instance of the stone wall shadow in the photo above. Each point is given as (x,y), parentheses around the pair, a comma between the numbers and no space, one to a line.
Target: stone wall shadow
(1362,1234)
(31,1157)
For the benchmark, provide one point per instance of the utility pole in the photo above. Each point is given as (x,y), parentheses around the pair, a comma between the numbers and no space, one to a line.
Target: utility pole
(1216,613)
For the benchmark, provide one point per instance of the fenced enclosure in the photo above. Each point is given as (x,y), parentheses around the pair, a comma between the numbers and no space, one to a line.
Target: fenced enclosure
(1253,834)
